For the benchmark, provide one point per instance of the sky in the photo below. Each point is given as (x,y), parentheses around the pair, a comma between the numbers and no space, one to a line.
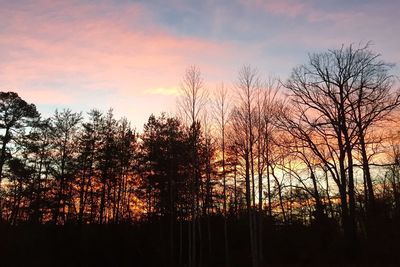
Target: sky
(131,55)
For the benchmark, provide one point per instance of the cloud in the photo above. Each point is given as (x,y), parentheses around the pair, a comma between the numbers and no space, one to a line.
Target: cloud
(171,91)
(46,96)
(78,44)
(284,7)
(131,55)
(311,11)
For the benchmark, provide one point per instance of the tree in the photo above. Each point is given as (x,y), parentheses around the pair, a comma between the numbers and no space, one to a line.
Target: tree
(64,128)
(372,98)
(15,115)
(222,112)
(88,145)
(106,162)
(337,95)
(36,148)
(165,150)
(126,153)
(192,102)
(244,119)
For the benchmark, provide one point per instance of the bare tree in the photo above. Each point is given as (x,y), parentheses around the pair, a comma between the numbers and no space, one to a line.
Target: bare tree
(244,115)
(337,96)
(372,98)
(193,95)
(222,110)
(191,104)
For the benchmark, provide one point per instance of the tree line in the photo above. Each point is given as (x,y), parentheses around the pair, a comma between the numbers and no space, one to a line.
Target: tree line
(319,148)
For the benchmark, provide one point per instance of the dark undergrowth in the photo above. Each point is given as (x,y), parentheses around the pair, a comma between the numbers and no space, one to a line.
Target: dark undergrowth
(147,244)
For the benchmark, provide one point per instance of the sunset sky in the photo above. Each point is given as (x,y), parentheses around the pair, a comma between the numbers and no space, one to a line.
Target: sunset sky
(131,55)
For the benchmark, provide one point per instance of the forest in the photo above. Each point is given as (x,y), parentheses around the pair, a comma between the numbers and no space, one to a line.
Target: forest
(303,171)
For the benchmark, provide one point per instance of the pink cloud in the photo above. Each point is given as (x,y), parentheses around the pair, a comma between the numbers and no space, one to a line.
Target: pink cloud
(45,96)
(122,52)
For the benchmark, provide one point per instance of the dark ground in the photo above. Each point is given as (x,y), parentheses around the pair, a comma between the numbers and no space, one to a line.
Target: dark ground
(147,245)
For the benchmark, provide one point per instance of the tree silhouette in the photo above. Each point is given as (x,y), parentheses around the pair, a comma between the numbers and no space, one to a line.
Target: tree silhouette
(299,172)
(15,116)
